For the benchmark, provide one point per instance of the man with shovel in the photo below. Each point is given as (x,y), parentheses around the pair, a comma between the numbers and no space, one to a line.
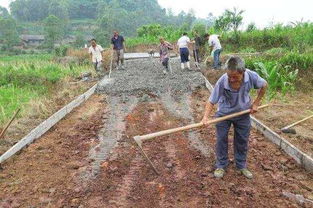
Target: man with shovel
(196,49)
(96,55)
(231,93)
(118,47)
(216,48)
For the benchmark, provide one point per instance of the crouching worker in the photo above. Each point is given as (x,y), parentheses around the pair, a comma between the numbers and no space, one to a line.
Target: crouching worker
(96,55)
(165,54)
(231,93)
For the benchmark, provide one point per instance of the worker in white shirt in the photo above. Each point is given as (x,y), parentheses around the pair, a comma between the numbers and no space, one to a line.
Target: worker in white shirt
(215,47)
(184,51)
(96,55)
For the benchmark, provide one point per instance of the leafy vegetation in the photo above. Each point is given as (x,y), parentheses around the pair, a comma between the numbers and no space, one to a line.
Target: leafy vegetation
(27,77)
(279,78)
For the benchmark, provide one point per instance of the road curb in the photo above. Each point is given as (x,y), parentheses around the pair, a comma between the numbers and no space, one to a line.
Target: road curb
(300,157)
(47,124)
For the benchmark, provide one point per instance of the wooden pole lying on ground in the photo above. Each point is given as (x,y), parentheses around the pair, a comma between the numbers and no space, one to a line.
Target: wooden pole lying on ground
(140,139)
(9,123)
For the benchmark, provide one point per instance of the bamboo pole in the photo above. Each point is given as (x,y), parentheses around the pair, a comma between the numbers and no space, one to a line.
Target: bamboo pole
(9,123)
(191,126)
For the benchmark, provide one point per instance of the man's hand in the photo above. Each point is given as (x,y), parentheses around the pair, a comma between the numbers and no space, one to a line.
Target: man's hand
(207,112)
(254,107)
(205,121)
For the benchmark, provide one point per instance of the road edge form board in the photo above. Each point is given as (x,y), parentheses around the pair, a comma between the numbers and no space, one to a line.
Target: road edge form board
(46,125)
(300,157)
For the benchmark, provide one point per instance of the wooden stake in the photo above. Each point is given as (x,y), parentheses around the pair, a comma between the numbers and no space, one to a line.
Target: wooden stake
(9,123)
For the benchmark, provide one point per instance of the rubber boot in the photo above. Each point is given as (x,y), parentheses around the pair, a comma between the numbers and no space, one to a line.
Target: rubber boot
(182,66)
(188,65)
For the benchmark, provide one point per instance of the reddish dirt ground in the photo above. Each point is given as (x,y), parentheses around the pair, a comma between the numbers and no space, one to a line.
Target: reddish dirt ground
(42,174)
(38,110)
(47,173)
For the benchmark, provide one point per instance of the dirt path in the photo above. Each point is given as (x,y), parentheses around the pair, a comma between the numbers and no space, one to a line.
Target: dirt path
(90,160)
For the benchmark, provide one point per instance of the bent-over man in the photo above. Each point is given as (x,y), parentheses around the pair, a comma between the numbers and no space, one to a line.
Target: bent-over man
(164,54)
(216,49)
(231,93)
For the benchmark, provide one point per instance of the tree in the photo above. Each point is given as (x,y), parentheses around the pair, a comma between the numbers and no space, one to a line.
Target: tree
(80,41)
(4,12)
(210,20)
(29,10)
(58,9)
(229,20)
(54,30)
(200,29)
(235,18)
(251,27)
(8,32)
(80,9)
(222,23)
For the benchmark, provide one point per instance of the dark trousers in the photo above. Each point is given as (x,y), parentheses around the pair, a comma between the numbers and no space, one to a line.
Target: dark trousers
(242,126)
(165,63)
(196,55)
(184,55)
(216,58)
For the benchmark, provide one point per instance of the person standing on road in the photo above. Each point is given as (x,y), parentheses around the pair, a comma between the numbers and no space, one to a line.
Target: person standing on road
(196,49)
(164,53)
(183,50)
(231,93)
(96,54)
(118,46)
(215,48)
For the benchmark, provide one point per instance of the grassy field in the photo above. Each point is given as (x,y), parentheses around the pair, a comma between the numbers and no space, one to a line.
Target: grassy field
(30,77)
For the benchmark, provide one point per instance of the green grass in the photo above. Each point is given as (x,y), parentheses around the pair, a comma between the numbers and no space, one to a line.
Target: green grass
(27,77)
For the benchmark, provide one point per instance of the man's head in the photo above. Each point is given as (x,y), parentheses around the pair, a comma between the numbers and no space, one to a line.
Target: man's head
(184,34)
(161,40)
(235,67)
(207,36)
(115,33)
(93,42)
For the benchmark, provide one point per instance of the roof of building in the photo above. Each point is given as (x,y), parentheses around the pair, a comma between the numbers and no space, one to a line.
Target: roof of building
(32,37)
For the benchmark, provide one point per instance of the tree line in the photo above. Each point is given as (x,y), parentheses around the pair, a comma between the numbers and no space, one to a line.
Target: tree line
(125,16)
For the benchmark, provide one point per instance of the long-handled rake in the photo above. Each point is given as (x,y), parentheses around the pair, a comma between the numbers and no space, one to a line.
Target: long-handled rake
(140,139)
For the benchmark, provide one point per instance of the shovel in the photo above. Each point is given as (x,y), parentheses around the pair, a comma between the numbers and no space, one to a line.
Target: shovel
(139,139)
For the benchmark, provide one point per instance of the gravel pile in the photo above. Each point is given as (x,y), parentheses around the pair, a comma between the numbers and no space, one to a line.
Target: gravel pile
(146,75)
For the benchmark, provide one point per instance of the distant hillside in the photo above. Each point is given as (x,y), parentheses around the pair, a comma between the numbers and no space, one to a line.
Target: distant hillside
(98,18)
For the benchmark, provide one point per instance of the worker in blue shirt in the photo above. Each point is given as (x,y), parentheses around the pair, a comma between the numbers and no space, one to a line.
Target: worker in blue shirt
(231,93)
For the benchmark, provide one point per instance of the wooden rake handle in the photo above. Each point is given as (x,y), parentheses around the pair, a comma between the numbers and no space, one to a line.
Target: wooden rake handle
(295,123)
(191,126)
(9,123)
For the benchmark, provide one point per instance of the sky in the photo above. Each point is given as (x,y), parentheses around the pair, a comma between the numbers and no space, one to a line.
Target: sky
(263,13)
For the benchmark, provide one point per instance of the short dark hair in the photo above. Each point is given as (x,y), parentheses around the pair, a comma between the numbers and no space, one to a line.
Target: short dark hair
(93,40)
(206,35)
(185,33)
(235,63)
